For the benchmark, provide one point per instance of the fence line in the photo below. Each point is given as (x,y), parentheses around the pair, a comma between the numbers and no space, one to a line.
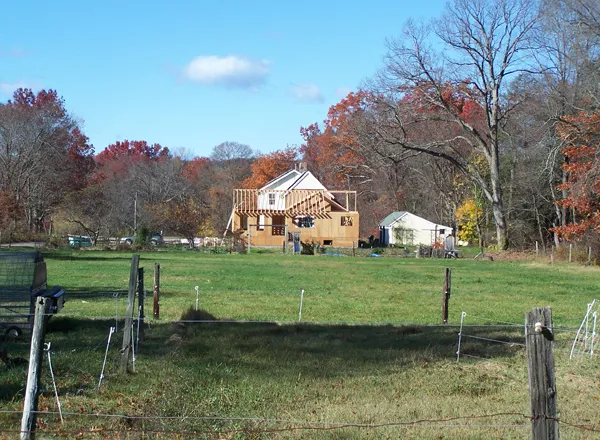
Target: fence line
(294,322)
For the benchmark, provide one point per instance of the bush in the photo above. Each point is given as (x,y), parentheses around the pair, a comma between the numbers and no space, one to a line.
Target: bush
(308,247)
(142,238)
(56,242)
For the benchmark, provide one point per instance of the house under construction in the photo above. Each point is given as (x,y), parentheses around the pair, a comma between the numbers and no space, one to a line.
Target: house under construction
(297,207)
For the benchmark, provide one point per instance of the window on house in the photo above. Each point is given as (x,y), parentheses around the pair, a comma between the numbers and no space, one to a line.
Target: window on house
(442,231)
(261,223)
(304,221)
(271,199)
(327,242)
(278,227)
(347,220)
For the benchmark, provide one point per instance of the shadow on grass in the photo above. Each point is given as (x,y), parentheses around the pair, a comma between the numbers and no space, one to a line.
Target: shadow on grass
(318,350)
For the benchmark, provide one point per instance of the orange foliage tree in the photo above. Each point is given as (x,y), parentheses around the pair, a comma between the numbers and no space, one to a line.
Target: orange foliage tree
(268,166)
(581,137)
(333,152)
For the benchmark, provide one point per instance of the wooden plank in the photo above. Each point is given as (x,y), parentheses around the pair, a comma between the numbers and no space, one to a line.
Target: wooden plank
(42,309)
(127,337)
(542,385)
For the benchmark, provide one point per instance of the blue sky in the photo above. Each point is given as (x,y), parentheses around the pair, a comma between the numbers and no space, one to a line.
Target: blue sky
(193,74)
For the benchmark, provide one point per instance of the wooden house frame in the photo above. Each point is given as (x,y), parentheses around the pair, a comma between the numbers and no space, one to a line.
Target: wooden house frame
(296,206)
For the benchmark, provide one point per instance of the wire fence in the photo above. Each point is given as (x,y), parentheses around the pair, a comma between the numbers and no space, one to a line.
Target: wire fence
(304,425)
(73,362)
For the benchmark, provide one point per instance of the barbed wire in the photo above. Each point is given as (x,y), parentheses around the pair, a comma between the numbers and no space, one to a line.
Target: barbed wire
(308,425)
(493,340)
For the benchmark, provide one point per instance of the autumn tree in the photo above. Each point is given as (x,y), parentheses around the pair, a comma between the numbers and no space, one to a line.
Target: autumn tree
(189,211)
(135,175)
(581,137)
(88,209)
(270,165)
(485,43)
(230,163)
(334,152)
(43,153)
(185,215)
(9,212)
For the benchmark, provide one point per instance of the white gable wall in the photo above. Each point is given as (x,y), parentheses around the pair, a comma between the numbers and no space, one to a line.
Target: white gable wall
(265,199)
(423,231)
(290,180)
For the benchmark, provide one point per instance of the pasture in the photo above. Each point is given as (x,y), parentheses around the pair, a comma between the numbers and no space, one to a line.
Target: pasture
(368,360)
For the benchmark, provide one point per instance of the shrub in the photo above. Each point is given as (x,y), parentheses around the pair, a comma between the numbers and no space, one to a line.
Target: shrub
(308,247)
(142,238)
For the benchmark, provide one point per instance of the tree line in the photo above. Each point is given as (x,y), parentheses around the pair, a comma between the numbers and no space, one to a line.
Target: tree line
(485,118)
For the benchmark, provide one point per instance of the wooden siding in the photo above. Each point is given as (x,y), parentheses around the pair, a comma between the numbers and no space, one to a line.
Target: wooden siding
(333,228)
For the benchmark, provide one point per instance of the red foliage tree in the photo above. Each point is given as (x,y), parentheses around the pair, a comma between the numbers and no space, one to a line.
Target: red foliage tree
(45,155)
(581,136)
(115,160)
(196,168)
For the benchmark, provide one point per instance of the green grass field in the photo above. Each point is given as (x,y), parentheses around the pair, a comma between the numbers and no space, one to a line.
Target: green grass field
(369,351)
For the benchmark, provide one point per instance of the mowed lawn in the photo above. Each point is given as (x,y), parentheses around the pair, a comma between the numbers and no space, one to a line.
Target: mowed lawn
(337,289)
(368,354)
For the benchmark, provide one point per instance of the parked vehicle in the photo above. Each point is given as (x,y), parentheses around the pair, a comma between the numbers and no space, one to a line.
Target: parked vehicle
(156,239)
(79,241)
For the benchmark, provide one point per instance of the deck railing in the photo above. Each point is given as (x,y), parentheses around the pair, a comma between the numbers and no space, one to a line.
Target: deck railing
(292,202)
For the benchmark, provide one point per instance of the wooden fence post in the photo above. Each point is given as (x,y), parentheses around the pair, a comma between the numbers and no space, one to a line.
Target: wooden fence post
(141,298)
(285,239)
(446,294)
(127,336)
(570,252)
(156,311)
(542,386)
(42,308)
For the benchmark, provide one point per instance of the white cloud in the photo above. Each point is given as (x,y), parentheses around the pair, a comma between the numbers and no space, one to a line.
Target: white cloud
(230,71)
(307,93)
(342,92)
